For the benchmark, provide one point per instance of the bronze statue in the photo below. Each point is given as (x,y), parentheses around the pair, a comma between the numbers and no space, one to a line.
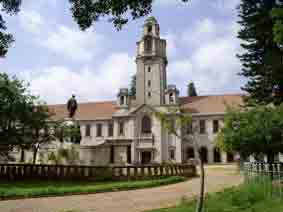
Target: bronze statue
(72,106)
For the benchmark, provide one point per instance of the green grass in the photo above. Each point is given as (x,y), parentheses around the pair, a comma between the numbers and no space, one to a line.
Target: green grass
(245,198)
(10,190)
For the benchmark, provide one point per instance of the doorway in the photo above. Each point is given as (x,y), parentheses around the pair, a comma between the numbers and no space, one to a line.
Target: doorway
(145,157)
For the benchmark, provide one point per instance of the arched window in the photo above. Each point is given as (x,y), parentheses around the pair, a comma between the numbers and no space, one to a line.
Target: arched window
(204,154)
(216,155)
(146,125)
(148,44)
(190,153)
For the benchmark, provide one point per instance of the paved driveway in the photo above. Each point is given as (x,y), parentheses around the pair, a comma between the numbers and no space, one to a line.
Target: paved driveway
(218,178)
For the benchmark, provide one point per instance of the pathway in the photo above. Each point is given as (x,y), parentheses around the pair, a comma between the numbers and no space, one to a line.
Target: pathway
(218,178)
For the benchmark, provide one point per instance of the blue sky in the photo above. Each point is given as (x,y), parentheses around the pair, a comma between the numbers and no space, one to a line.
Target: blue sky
(58,59)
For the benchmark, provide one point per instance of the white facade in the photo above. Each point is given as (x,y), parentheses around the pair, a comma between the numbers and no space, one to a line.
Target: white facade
(132,144)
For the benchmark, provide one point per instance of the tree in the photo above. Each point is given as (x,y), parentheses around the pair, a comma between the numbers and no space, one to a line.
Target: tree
(133,86)
(262,58)
(277,14)
(15,107)
(254,131)
(175,121)
(41,129)
(10,7)
(191,89)
(88,12)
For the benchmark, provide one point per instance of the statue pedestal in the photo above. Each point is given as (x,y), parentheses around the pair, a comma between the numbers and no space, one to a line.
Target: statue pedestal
(69,121)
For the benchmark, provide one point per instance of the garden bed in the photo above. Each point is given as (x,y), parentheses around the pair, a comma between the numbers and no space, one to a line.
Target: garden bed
(29,189)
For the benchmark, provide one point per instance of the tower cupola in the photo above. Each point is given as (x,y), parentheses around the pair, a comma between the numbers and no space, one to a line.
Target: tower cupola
(151,27)
(171,95)
(123,97)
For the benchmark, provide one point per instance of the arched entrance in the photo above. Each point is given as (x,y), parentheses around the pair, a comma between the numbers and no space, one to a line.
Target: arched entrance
(230,157)
(204,154)
(190,153)
(146,125)
(216,155)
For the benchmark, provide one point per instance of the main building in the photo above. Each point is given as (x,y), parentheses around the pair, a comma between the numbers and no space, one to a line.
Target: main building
(126,131)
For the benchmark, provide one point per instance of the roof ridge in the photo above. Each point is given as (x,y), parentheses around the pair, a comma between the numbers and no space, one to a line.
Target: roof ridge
(211,95)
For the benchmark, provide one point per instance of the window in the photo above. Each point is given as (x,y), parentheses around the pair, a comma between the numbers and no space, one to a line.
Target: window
(129,154)
(98,130)
(146,125)
(148,44)
(148,83)
(87,130)
(202,127)
(121,128)
(172,154)
(215,126)
(149,29)
(112,156)
(121,100)
(149,94)
(110,129)
(171,98)
(189,128)
(149,69)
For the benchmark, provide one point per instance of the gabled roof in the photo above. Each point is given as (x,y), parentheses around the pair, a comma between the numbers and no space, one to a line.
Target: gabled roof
(86,111)
(214,104)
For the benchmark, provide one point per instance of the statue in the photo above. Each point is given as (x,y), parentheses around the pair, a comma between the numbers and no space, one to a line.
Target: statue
(72,106)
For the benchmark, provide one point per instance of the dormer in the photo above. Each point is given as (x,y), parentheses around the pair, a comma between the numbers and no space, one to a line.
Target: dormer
(171,95)
(123,97)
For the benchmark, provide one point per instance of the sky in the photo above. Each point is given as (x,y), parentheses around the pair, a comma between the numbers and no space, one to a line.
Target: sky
(57,59)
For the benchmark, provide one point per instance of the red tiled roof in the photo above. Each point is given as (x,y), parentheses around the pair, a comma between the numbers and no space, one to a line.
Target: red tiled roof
(210,104)
(105,110)
(86,111)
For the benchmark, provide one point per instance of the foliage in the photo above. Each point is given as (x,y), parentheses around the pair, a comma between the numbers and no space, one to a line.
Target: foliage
(175,122)
(16,106)
(9,7)
(88,12)
(277,14)
(245,198)
(64,155)
(262,57)
(191,89)
(44,188)
(133,86)
(253,131)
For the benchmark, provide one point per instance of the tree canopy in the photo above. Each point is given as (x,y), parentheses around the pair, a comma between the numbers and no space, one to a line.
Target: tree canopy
(191,89)
(254,131)
(9,7)
(25,121)
(277,14)
(119,12)
(262,57)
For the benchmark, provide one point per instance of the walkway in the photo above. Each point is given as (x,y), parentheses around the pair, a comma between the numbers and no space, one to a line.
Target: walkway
(218,178)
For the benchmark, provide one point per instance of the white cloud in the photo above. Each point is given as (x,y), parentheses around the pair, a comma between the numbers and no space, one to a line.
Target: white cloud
(73,43)
(31,21)
(212,64)
(55,84)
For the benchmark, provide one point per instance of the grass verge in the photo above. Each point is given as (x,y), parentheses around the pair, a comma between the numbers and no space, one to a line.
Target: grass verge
(245,198)
(17,190)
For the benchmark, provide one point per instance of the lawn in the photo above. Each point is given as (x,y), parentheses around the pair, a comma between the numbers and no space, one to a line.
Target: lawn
(245,198)
(10,190)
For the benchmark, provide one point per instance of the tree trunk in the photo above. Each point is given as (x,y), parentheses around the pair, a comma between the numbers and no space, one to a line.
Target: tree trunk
(22,155)
(34,155)
(200,202)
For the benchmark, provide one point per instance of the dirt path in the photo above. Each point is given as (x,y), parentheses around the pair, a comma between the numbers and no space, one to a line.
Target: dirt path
(218,177)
